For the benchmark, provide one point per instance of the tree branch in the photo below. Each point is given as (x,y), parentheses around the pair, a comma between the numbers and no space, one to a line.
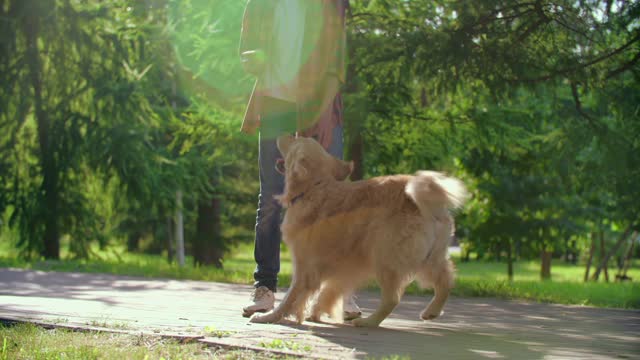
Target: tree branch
(576,99)
(566,71)
(624,67)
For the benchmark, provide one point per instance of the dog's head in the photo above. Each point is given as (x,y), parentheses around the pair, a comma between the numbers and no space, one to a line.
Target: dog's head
(306,162)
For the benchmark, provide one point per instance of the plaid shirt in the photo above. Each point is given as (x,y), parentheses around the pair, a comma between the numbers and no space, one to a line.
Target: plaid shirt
(318,102)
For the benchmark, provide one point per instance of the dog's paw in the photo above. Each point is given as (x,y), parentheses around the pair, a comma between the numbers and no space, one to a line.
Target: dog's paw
(430,315)
(365,322)
(316,318)
(267,318)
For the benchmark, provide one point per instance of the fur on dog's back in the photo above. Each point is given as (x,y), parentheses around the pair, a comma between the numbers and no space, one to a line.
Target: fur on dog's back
(353,229)
(330,198)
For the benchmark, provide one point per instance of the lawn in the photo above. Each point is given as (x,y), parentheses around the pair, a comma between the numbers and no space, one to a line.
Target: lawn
(475,278)
(27,341)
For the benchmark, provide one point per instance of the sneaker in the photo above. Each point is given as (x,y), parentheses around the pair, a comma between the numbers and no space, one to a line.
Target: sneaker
(350,308)
(262,300)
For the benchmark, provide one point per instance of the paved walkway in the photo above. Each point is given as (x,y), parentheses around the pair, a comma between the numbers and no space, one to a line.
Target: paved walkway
(473,328)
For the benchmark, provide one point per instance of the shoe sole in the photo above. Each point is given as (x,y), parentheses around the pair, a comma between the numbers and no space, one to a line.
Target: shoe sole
(351,316)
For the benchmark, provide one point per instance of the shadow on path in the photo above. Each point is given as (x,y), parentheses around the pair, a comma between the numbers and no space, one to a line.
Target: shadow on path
(470,328)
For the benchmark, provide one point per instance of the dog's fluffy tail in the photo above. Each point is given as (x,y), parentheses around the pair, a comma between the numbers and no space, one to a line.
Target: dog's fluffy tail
(435,193)
(432,190)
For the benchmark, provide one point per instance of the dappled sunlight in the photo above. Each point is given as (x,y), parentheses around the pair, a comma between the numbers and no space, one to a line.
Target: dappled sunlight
(469,328)
(205,38)
(487,354)
(473,278)
(123,148)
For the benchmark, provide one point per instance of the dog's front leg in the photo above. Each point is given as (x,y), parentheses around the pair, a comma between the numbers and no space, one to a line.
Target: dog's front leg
(272,316)
(293,303)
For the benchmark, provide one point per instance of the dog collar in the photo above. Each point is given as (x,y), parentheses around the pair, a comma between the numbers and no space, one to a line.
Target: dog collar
(301,195)
(297,197)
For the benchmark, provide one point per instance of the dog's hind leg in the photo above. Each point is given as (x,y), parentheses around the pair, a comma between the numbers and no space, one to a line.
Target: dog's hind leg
(392,287)
(440,276)
(329,302)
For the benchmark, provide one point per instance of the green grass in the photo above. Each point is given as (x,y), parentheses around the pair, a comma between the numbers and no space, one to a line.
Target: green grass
(565,287)
(474,278)
(27,341)
(290,345)
(237,268)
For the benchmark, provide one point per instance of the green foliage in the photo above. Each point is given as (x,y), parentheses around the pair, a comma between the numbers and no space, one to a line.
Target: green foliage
(91,113)
(119,132)
(205,36)
(107,109)
(531,103)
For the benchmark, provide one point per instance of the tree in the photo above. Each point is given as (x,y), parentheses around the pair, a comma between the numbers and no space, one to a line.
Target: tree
(441,62)
(205,37)
(533,103)
(221,213)
(90,113)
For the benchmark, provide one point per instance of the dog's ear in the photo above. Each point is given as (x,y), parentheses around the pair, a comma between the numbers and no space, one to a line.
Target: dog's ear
(284,142)
(342,169)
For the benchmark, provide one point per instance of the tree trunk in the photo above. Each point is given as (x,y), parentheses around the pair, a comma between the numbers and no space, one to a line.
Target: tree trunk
(208,247)
(466,255)
(605,260)
(627,259)
(133,241)
(592,249)
(567,251)
(47,159)
(509,260)
(423,98)
(356,152)
(180,253)
(545,268)
(602,256)
(169,239)
(575,253)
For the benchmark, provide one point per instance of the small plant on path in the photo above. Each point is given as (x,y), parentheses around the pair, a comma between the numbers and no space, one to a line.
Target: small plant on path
(280,344)
(210,330)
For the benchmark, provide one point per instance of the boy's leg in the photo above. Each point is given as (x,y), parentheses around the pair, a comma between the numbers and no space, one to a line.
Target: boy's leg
(349,306)
(267,234)
(337,143)
(267,231)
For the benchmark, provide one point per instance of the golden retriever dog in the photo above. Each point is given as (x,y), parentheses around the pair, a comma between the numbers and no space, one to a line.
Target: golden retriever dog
(341,234)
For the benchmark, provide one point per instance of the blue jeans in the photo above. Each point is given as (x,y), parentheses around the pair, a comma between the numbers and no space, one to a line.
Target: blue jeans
(267,236)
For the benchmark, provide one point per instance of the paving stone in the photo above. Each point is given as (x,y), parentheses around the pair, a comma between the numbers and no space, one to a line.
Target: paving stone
(471,328)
